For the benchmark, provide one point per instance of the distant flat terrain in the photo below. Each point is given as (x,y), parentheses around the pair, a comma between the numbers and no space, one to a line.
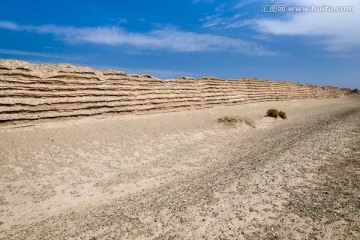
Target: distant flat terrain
(184,175)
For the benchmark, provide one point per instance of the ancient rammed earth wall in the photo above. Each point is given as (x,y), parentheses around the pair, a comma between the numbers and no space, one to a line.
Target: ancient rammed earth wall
(31,92)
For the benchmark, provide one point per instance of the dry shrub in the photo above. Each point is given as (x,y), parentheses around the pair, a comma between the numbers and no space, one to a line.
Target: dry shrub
(272,112)
(282,115)
(237,120)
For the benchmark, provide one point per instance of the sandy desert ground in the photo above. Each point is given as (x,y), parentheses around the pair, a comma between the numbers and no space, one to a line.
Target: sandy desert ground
(183,175)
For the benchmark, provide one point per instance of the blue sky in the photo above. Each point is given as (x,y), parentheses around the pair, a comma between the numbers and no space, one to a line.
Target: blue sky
(226,39)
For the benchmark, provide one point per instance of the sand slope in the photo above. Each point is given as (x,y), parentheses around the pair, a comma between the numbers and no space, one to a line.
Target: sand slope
(183,175)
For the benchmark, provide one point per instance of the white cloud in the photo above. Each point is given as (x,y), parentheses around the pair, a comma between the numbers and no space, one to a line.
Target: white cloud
(218,22)
(37,54)
(9,25)
(167,38)
(243,3)
(23,53)
(337,32)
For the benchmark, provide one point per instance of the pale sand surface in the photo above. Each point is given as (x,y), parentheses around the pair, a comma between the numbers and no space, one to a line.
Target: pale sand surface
(183,175)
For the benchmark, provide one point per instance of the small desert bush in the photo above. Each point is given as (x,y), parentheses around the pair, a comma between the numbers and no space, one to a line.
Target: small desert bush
(282,115)
(272,112)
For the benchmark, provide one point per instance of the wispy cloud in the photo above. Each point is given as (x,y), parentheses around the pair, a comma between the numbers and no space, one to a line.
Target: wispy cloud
(230,15)
(246,2)
(37,54)
(336,32)
(9,25)
(218,22)
(24,53)
(169,39)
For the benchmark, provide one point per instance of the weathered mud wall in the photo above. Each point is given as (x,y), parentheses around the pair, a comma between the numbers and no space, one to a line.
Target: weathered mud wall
(31,92)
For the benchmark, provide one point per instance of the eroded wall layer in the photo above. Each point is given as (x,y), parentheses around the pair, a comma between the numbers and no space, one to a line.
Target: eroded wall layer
(31,92)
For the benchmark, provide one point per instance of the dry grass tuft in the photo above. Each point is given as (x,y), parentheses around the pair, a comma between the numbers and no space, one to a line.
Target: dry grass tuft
(272,112)
(237,120)
(282,115)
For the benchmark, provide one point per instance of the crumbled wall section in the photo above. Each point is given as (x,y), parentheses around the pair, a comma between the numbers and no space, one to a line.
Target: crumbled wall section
(31,92)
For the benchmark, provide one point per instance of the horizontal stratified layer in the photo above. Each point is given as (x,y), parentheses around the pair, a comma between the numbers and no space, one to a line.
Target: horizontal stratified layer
(31,92)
